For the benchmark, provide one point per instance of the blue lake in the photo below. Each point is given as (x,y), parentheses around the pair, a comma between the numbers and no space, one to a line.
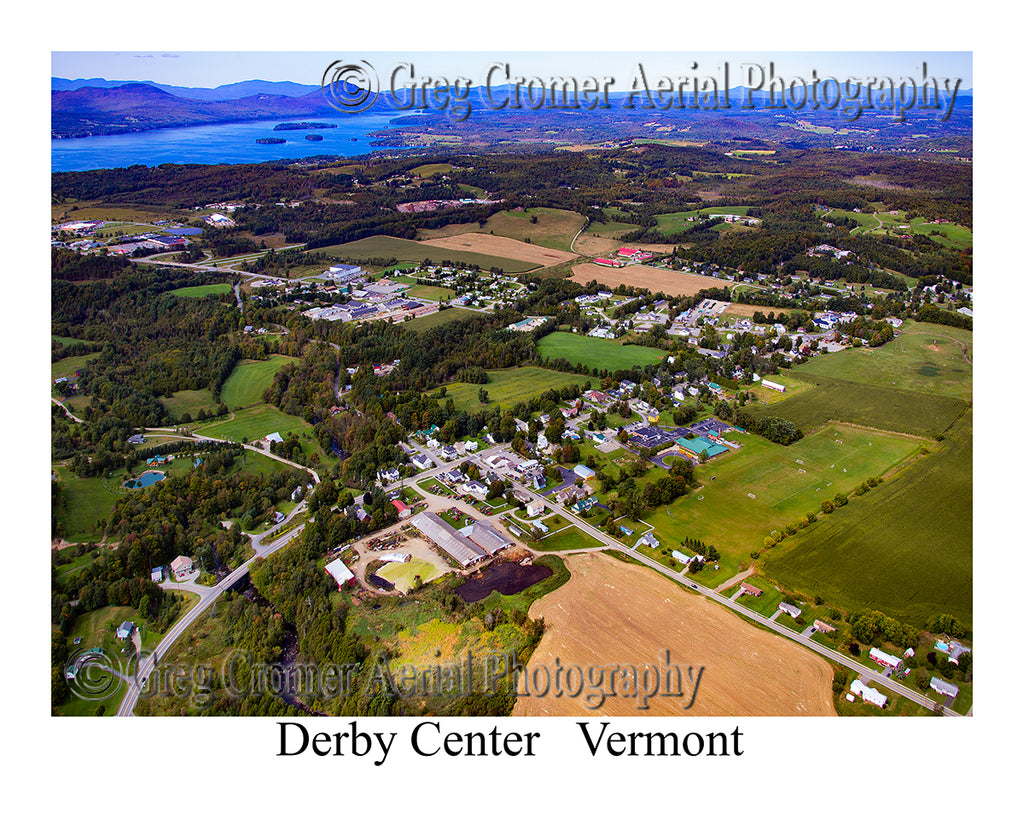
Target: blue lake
(227,143)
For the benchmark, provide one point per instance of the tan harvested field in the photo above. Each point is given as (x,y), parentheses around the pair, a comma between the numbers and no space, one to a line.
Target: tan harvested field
(503,247)
(670,282)
(747,310)
(612,612)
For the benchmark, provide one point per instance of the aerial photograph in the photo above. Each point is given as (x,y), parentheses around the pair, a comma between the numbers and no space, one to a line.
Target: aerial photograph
(453,384)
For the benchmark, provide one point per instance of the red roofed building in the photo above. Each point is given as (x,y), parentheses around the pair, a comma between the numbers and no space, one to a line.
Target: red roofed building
(610,262)
(403,510)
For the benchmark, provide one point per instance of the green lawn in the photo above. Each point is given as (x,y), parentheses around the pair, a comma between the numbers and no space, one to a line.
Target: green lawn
(905,547)
(670,223)
(602,353)
(568,538)
(509,387)
(245,386)
(202,290)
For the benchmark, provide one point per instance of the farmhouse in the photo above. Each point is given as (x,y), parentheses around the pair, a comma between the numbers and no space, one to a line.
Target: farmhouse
(684,559)
(791,610)
(823,627)
(124,631)
(753,591)
(181,566)
(882,658)
(943,687)
(869,694)
(341,573)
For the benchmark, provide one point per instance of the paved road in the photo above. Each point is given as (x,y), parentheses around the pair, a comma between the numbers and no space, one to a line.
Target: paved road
(205,601)
(863,672)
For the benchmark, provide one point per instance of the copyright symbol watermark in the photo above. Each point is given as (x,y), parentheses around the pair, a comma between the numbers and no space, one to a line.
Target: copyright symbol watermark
(350,87)
(93,675)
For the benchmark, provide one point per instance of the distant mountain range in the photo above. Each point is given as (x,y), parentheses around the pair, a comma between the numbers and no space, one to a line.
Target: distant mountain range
(91,111)
(89,107)
(232,91)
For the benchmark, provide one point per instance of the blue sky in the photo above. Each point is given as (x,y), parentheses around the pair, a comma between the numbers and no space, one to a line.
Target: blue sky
(209,69)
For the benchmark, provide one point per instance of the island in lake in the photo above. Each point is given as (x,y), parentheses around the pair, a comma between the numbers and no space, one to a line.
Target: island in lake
(315,137)
(270,141)
(303,126)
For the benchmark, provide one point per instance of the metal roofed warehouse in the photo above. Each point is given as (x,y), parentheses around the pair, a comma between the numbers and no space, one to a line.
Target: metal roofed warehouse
(457,545)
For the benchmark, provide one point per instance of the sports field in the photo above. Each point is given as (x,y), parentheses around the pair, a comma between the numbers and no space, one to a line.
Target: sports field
(249,379)
(657,280)
(614,613)
(905,547)
(509,387)
(202,290)
(426,291)
(745,494)
(602,353)
(404,250)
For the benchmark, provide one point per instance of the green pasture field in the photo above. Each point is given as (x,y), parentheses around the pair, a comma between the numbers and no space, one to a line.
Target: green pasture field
(426,291)
(438,319)
(950,235)
(602,353)
(509,387)
(721,512)
(425,171)
(925,358)
(554,228)
(66,366)
(88,501)
(383,247)
(678,222)
(259,421)
(904,548)
(869,405)
(202,290)
(88,211)
(245,386)
(190,401)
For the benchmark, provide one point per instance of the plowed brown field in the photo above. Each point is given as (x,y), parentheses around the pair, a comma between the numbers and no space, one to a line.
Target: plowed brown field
(502,246)
(612,612)
(669,282)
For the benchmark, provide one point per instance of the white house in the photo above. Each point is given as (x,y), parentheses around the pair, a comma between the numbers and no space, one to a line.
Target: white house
(868,693)
(534,508)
